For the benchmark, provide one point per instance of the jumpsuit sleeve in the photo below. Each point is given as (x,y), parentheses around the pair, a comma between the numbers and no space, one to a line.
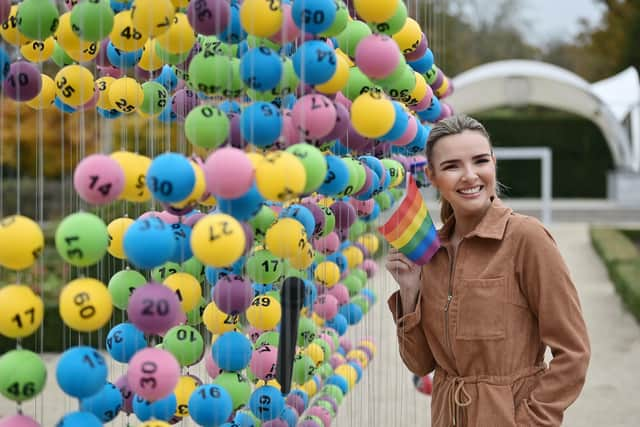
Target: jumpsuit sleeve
(553,300)
(414,348)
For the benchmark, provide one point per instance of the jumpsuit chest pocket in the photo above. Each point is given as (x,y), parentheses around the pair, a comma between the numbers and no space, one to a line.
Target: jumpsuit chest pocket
(481,309)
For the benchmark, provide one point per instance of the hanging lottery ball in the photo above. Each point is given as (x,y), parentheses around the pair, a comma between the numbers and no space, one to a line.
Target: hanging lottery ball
(232,351)
(206,126)
(314,62)
(82,239)
(218,240)
(185,343)
(121,287)
(98,179)
(79,419)
(152,17)
(337,177)
(21,242)
(187,289)
(37,19)
(9,29)
(238,387)
(23,81)
(339,79)
(313,16)
(210,405)
(377,56)
(182,102)
(21,311)
(18,420)
(105,404)
(135,168)
(162,409)
(261,68)
(5,62)
(409,36)
(284,236)
(22,375)
(281,176)
(233,294)
(264,267)
(47,95)
(121,59)
(393,24)
(124,35)
(74,85)
(266,403)
(153,308)
(92,20)
(127,394)
(153,373)
(354,32)
(314,116)
(372,116)
(229,173)
(179,38)
(261,124)
(263,362)
(126,95)
(81,362)
(375,10)
(38,51)
(155,423)
(183,391)
(264,313)
(217,321)
(117,229)
(85,304)
(327,273)
(208,17)
(155,97)
(124,340)
(261,18)
(170,177)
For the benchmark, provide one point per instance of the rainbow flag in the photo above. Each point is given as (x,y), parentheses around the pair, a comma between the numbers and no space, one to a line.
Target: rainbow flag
(409,227)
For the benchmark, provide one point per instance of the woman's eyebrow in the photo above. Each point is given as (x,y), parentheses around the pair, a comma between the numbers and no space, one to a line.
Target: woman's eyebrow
(477,156)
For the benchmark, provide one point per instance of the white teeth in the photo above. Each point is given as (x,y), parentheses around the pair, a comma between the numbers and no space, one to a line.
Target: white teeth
(470,190)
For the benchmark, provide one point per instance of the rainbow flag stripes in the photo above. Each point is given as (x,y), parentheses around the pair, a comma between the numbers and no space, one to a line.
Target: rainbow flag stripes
(409,228)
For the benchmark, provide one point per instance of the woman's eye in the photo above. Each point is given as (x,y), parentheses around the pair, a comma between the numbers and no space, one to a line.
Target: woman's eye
(482,160)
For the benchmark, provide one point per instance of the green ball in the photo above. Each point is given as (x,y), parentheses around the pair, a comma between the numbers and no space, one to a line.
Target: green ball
(334,391)
(431,75)
(256,95)
(360,274)
(195,268)
(234,87)
(82,239)
(254,41)
(22,375)
(352,283)
(326,405)
(262,221)
(238,387)
(353,33)
(357,84)
(339,22)
(92,20)
(394,24)
(362,302)
(288,81)
(194,317)
(307,331)
(171,58)
(121,286)
(206,126)
(185,343)
(395,169)
(210,74)
(37,19)
(160,273)
(357,176)
(357,229)
(326,350)
(155,98)
(325,370)
(314,163)
(264,267)
(401,87)
(333,334)
(329,221)
(303,369)
(211,45)
(60,57)
(383,200)
(267,338)
(396,193)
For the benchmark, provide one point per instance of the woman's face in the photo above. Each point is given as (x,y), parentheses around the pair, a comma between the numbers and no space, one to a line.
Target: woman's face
(463,169)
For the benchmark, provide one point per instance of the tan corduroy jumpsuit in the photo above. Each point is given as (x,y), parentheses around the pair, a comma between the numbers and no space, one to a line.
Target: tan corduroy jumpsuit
(484,319)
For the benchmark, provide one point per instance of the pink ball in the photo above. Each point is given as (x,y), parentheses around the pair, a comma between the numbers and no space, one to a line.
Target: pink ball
(191,220)
(362,207)
(341,99)
(153,373)
(168,217)
(336,360)
(110,71)
(18,421)
(327,338)
(322,413)
(182,102)
(253,333)
(377,56)
(153,308)
(425,102)
(314,115)
(278,422)
(127,395)
(288,31)
(345,344)
(212,367)
(327,244)
(150,214)
(98,179)
(408,134)
(263,362)
(296,402)
(229,173)
(340,292)
(370,267)
(233,294)
(91,104)
(289,134)
(326,306)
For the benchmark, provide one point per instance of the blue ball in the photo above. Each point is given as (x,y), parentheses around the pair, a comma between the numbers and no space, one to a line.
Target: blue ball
(339,149)
(375,213)
(162,409)
(244,207)
(148,243)
(232,351)
(266,403)
(234,33)
(337,177)
(303,215)
(230,106)
(423,64)
(109,114)
(124,340)
(368,293)
(5,63)
(261,288)
(261,69)
(167,115)
(314,62)
(372,191)
(313,16)
(170,177)
(400,124)
(120,5)
(340,260)
(419,143)
(351,312)
(310,293)
(302,394)
(210,405)
(358,369)
(243,47)
(261,124)
(243,419)
(62,106)
(290,416)
(122,59)
(387,181)
(79,419)
(339,381)
(374,164)
(105,405)
(182,236)
(288,100)
(168,78)
(432,113)
(339,323)
(81,372)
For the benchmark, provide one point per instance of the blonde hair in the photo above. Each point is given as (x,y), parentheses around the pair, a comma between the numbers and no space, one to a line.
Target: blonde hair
(453,125)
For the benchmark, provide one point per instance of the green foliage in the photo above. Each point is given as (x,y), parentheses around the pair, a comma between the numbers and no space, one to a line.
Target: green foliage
(613,246)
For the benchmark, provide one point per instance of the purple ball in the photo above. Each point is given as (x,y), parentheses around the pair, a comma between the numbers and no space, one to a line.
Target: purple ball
(382,149)
(102,60)
(343,233)
(358,143)
(235,138)
(418,52)
(182,102)
(438,81)
(23,82)
(233,294)
(127,394)
(209,17)
(308,423)
(345,214)
(365,350)
(5,9)
(153,308)
(318,216)
(191,220)
(342,123)
(248,233)
(296,402)
(184,65)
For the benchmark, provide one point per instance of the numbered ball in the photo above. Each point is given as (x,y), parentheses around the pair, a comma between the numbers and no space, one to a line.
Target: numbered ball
(263,362)
(206,126)
(314,62)
(126,95)
(21,242)
(37,19)
(261,124)
(266,403)
(210,405)
(121,286)
(38,51)
(105,404)
(371,115)
(170,177)
(218,240)
(185,343)
(21,311)
(82,239)
(314,116)
(116,229)
(187,289)
(209,17)
(149,242)
(92,20)
(261,18)
(152,17)
(18,420)
(153,373)
(124,340)
(264,313)
(81,362)
(74,85)
(124,35)
(217,321)
(313,16)
(233,294)
(281,176)
(98,179)
(85,304)
(261,69)
(153,308)
(264,267)
(232,351)
(162,409)
(183,391)
(22,375)
(79,419)
(23,81)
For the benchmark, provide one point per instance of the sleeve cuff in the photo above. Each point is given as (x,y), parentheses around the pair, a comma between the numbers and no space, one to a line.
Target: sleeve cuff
(405,321)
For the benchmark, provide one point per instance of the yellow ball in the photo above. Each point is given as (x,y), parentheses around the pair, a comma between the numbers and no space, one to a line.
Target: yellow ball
(217,321)
(38,51)
(154,423)
(74,85)
(304,257)
(339,79)
(126,94)
(315,352)
(186,385)
(255,157)
(264,312)
(135,168)
(284,237)
(47,94)
(372,115)
(116,230)
(152,17)
(409,36)
(310,387)
(371,346)
(354,256)
(85,305)
(360,356)
(443,87)
(150,60)
(21,311)
(261,18)
(419,90)
(319,321)
(21,242)
(347,372)
(67,38)
(103,84)
(326,202)
(85,54)
(327,273)
(218,240)
(281,176)
(199,188)
(370,242)
(376,10)
(180,36)
(9,29)
(180,3)
(124,35)
(187,288)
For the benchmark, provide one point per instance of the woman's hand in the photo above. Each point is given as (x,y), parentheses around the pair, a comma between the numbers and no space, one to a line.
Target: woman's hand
(405,272)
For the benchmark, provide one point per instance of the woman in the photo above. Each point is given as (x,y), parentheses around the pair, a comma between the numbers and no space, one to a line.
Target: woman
(494,296)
